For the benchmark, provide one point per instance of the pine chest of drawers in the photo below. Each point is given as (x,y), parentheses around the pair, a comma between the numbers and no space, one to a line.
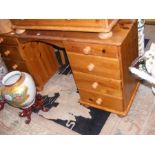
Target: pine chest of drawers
(11,54)
(100,68)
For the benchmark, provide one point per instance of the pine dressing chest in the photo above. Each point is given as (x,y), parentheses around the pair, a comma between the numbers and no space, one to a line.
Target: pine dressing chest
(99,66)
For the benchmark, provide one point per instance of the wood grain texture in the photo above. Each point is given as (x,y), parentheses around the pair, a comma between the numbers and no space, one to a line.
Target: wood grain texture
(105,86)
(48,58)
(105,67)
(41,39)
(95,49)
(91,25)
(90,98)
(150,21)
(40,60)
(128,52)
(10,52)
(20,65)
(119,34)
(129,104)
(8,41)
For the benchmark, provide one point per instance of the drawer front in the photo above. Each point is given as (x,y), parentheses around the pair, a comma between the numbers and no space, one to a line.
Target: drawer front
(7,40)
(105,67)
(92,49)
(98,84)
(10,52)
(15,65)
(101,101)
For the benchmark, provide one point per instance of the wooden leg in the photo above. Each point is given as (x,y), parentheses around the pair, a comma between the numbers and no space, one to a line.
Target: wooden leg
(121,116)
(39,88)
(87,106)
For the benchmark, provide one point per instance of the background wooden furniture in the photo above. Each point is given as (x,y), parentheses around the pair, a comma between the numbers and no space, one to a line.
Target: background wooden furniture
(150,21)
(36,58)
(90,25)
(100,67)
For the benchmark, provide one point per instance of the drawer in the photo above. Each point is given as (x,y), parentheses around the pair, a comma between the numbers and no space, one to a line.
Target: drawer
(8,40)
(92,49)
(98,84)
(15,65)
(104,67)
(101,101)
(10,52)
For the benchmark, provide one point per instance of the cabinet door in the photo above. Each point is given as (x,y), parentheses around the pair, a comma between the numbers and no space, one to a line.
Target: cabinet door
(41,61)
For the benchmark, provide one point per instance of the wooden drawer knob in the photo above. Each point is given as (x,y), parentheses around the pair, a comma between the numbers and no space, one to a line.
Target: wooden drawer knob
(87,50)
(99,101)
(15,66)
(6,53)
(91,67)
(95,85)
(1,40)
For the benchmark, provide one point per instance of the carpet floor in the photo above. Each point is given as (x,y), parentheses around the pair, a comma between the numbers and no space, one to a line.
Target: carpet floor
(138,121)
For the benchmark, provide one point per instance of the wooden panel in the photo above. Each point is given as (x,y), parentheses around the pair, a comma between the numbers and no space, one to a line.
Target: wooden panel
(92,49)
(105,67)
(10,52)
(34,63)
(35,38)
(110,103)
(40,60)
(59,22)
(16,65)
(129,51)
(97,84)
(8,40)
(38,73)
(92,25)
(48,58)
(30,51)
(150,21)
